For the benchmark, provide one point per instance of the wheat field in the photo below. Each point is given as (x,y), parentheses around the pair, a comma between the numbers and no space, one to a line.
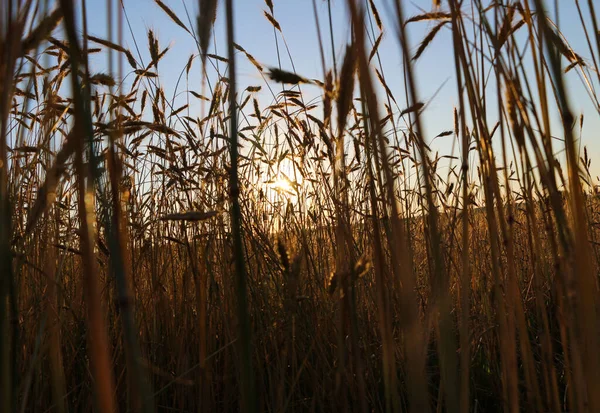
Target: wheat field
(225,252)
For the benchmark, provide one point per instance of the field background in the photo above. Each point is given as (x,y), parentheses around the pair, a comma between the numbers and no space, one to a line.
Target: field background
(335,206)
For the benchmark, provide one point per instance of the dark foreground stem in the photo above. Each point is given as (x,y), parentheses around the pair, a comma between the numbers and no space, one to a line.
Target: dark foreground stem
(248,402)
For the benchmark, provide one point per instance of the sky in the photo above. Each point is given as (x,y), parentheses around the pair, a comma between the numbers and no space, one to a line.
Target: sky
(435,69)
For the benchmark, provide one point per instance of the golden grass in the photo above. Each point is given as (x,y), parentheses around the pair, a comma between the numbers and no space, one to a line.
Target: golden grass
(148,265)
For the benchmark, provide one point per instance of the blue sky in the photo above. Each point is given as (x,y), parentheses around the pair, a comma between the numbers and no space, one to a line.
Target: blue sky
(296,19)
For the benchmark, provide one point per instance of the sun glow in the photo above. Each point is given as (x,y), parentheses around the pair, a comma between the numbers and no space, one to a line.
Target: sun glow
(283,186)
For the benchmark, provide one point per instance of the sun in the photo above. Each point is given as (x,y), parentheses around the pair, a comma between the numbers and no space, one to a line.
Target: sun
(283,185)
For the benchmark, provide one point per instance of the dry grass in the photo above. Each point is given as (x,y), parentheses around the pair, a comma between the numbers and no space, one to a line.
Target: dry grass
(148,263)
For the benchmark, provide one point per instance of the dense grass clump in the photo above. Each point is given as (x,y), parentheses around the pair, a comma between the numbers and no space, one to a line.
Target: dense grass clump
(305,255)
